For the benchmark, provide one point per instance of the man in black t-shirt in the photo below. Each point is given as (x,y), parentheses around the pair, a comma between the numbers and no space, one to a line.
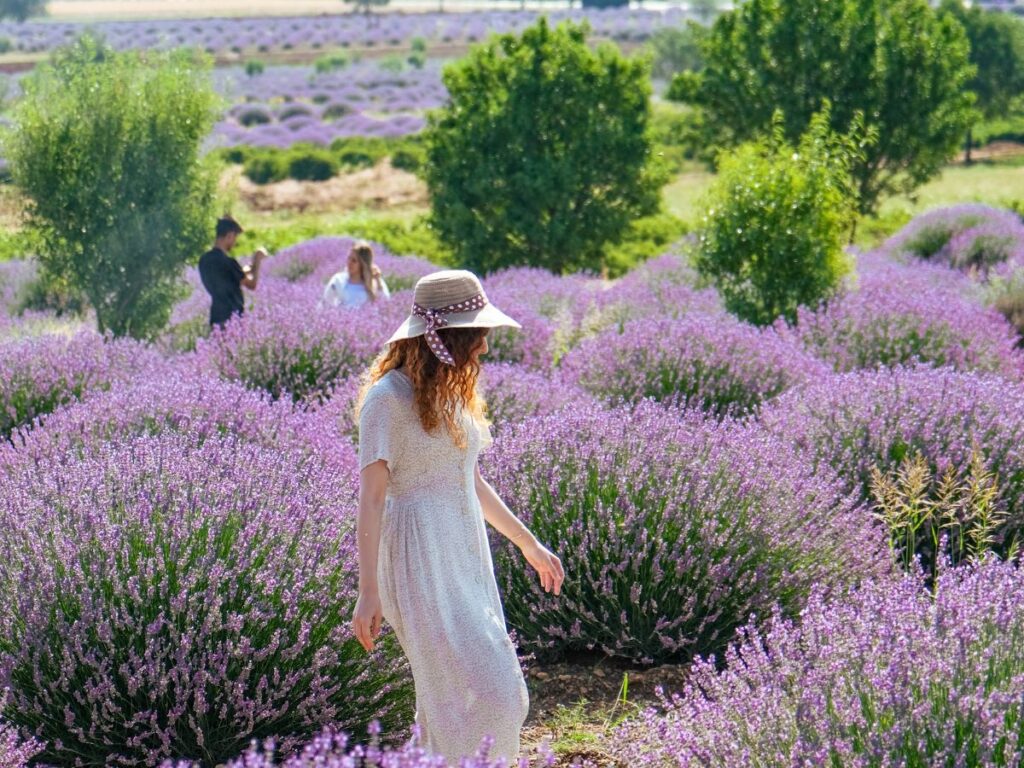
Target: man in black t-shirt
(223,277)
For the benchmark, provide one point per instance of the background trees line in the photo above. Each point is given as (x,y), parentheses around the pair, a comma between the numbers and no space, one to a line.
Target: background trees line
(829,107)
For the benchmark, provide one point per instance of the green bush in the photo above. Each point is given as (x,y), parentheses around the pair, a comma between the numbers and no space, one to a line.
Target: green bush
(645,238)
(331,63)
(676,49)
(235,155)
(106,148)
(266,168)
(899,63)
(6,46)
(407,160)
(313,165)
(254,67)
(418,44)
(416,60)
(511,159)
(772,236)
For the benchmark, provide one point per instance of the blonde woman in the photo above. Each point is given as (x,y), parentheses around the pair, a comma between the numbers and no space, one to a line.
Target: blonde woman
(424,559)
(359,283)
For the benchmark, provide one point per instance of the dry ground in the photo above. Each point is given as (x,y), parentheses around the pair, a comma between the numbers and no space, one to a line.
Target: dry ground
(381,188)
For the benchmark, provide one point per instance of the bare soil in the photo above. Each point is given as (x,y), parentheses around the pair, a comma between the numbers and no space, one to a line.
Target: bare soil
(378,188)
(558,688)
(997,150)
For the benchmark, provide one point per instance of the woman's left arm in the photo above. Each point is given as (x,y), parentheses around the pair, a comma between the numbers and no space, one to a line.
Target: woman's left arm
(548,566)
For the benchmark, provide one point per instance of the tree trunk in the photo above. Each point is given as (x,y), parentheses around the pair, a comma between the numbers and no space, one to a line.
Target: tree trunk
(967,149)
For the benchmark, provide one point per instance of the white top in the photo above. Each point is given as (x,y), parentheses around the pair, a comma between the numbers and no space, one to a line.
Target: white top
(341,293)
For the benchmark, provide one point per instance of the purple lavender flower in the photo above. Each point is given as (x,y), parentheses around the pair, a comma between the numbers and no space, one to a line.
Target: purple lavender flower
(891,675)
(712,362)
(931,235)
(331,749)
(175,595)
(853,422)
(38,374)
(675,530)
(904,314)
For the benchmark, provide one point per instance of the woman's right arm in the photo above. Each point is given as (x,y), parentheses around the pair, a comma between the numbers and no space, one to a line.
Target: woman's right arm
(368,615)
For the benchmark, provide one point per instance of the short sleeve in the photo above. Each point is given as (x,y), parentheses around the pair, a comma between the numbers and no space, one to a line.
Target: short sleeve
(486,439)
(378,438)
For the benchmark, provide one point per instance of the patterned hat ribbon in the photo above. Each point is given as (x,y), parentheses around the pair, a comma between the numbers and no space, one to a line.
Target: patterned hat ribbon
(436,319)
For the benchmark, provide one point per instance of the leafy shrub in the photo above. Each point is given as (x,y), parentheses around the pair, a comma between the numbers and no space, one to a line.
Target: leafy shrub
(6,46)
(334,111)
(416,60)
(900,315)
(355,158)
(331,63)
(710,362)
(675,529)
(254,67)
(645,238)
(106,149)
(255,116)
(500,197)
(418,44)
(676,49)
(772,235)
(205,622)
(266,168)
(37,375)
(855,422)
(407,160)
(312,165)
(890,675)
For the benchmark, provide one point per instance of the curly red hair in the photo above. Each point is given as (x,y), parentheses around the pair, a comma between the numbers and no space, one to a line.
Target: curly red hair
(440,390)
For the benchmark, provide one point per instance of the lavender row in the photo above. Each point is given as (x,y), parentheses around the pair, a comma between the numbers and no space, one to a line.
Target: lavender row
(223,35)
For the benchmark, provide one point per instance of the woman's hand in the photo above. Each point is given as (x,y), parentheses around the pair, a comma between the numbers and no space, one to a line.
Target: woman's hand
(547,565)
(366,620)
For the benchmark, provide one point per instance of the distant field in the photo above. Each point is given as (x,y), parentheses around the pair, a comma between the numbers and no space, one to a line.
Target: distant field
(70,10)
(999,184)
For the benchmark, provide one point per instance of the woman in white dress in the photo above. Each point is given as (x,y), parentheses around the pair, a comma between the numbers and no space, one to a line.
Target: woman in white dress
(424,558)
(361,281)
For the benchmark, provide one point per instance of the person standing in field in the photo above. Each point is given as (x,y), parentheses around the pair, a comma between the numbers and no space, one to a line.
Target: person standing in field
(223,277)
(424,560)
(360,282)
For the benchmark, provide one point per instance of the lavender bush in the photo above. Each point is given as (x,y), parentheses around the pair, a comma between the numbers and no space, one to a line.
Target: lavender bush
(15,751)
(855,422)
(900,314)
(962,236)
(289,348)
(891,675)
(675,530)
(712,362)
(174,597)
(39,374)
(515,393)
(333,750)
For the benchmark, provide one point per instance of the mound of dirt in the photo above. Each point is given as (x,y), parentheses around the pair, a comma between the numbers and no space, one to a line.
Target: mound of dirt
(371,188)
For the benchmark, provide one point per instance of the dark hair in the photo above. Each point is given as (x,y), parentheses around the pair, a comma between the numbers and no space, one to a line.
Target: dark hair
(226,225)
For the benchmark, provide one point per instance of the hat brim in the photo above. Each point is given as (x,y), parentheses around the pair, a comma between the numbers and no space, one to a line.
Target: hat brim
(488,317)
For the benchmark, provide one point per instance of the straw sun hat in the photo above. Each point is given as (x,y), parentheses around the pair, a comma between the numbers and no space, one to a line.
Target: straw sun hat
(452,298)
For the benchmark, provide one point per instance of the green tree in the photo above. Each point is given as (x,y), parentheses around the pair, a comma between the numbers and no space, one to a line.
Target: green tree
(542,155)
(105,147)
(898,62)
(771,239)
(997,52)
(366,6)
(20,10)
(676,49)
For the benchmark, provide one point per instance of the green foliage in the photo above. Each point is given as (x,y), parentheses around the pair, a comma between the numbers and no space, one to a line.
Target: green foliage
(254,67)
(680,136)
(267,167)
(676,49)
(416,60)
(645,238)
(392,64)
(313,165)
(331,63)
(6,46)
(997,52)
(772,237)
(511,159)
(418,44)
(898,62)
(105,147)
(919,507)
(20,10)
(408,160)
